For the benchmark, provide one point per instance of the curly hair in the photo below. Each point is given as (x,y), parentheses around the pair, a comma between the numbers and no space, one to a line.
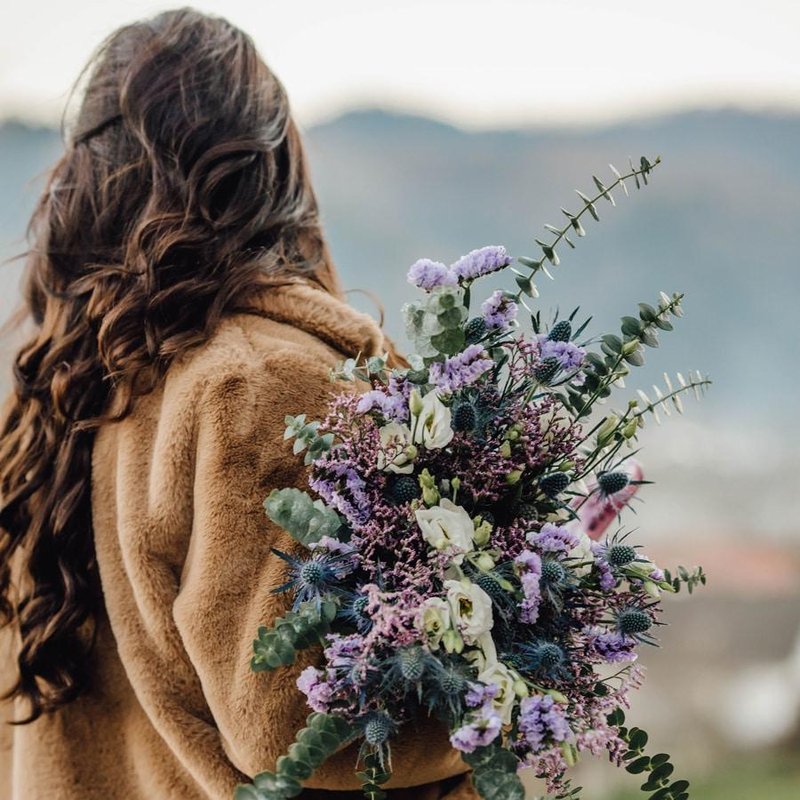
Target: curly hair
(183,189)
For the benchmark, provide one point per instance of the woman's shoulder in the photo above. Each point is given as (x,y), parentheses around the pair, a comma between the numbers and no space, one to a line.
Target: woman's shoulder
(268,358)
(285,330)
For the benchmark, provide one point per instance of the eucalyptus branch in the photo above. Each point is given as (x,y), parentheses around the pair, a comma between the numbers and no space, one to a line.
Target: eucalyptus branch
(549,254)
(602,371)
(697,383)
(659,784)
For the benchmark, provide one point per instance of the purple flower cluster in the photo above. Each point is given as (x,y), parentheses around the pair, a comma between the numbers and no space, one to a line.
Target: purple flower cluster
(499,311)
(569,355)
(390,400)
(429,275)
(480,262)
(460,370)
(554,539)
(479,694)
(318,691)
(542,721)
(611,646)
(529,567)
(483,722)
(605,571)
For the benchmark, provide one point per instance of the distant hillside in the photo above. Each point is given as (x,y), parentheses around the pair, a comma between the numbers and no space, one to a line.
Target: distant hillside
(719,222)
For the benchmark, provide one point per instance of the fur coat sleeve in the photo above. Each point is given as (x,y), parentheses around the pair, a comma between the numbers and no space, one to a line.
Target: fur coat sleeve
(184,552)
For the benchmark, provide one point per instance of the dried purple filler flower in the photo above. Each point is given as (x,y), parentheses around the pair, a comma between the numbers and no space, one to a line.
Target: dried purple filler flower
(483,261)
(427,274)
(541,721)
(499,311)
(462,370)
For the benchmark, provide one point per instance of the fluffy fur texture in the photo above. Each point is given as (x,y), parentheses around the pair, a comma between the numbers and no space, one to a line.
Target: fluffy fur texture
(183,547)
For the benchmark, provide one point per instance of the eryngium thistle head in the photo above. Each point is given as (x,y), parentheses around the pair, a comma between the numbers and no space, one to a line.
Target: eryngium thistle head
(312,573)
(490,585)
(464,417)
(378,728)
(633,621)
(561,331)
(451,681)
(475,330)
(613,482)
(550,655)
(621,554)
(412,663)
(553,572)
(405,488)
(554,483)
(546,369)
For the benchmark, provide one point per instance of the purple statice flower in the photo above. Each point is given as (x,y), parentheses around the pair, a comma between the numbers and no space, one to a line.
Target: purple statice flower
(499,311)
(482,729)
(529,567)
(315,687)
(460,370)
(605,571)
(542,721)
(569,355)
(391,400)
(611,646)
(656,575)
(478,694)
(347,659)
(346,495)
(427,274)
(553,539)
(482,261)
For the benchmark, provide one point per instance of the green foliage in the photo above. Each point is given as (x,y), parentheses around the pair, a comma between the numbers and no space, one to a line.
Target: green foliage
(495,773)
(618,353)
(306,437)
(658,768)
(435,323)
(691,579)
(362,369)
(323,735)
(589,205)
(372,776)
(277,646)
(697,384)
(305,519)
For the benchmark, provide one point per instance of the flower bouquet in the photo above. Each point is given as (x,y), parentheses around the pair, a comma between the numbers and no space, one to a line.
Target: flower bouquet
(460,557)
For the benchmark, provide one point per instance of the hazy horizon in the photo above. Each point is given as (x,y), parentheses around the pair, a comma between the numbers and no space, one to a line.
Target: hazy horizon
(514,63)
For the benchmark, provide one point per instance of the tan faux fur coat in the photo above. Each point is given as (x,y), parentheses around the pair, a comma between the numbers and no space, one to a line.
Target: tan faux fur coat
(183,548)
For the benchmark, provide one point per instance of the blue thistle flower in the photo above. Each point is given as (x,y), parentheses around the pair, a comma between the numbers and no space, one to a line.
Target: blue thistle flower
(354,611)
(378,727)
(612,482)
(545,659)
(635,622)
(445,688)
(561,331)
(315,576)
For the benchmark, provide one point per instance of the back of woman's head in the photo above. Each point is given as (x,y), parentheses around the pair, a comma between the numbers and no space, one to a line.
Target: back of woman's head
(182,190)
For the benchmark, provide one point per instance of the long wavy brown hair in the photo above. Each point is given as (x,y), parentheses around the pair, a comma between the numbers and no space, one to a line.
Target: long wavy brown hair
(183,189)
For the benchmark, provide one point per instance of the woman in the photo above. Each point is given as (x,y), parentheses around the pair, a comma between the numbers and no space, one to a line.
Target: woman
(182,301)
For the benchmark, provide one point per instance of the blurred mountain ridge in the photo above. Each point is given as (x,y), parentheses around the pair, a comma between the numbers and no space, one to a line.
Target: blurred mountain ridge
(718,221)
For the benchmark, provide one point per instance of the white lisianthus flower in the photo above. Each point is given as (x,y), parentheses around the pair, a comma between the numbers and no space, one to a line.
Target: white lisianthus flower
(470,609)
(395,441)
(447,526)
(431,425)
(582,554)
(434,620)
(484,655)
(504,679)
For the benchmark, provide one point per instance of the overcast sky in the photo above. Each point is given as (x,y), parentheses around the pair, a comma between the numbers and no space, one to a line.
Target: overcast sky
(480,64)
